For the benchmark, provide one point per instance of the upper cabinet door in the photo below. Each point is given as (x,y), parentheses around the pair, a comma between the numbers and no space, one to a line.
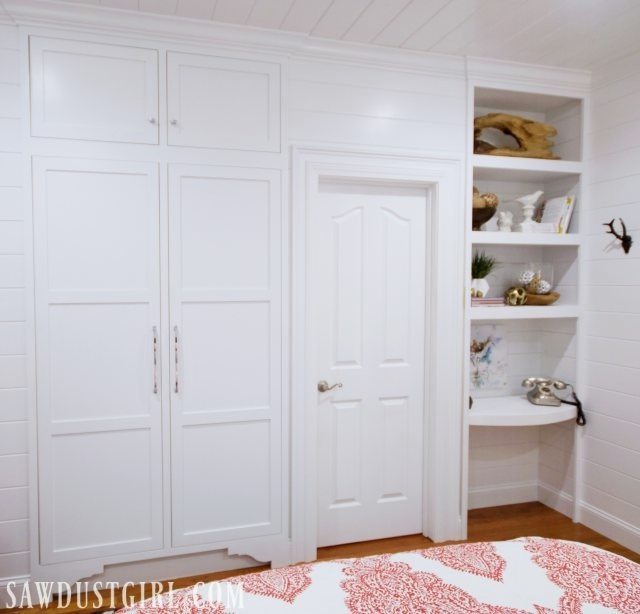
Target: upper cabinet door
(223,103)
(91,91)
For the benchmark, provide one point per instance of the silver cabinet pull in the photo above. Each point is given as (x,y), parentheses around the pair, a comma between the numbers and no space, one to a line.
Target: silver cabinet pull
(175,346)
(153,120)
(174,122)
(323,386)
(155,360)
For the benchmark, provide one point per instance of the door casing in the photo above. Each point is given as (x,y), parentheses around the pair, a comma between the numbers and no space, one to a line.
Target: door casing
(441,177)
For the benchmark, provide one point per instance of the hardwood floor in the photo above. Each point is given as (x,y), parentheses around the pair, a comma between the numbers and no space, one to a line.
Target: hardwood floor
(489,524)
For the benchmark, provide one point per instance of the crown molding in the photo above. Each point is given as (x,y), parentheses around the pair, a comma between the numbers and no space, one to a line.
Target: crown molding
(102,20)
(528,77)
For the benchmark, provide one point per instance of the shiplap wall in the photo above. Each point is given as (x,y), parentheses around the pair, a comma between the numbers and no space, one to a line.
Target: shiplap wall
(611,469)
(14,536)
(331,103)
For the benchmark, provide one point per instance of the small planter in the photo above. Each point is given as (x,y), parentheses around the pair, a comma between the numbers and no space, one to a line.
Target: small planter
(479,288)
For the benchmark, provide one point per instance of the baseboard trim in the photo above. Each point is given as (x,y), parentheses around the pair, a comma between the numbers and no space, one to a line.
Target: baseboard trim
(614,528)
(558,500)
(505,494)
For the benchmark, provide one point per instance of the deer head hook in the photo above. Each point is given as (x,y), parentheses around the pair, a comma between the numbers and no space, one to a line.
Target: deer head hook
(625,239)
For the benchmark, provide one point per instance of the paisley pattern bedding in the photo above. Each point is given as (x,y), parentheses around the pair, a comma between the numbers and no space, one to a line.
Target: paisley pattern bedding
(527,575)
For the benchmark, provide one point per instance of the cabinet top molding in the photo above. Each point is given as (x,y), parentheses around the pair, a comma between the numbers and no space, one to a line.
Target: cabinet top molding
(102,20)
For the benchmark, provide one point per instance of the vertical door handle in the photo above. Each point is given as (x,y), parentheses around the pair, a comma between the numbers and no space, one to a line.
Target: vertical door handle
(155,360)
(175,348)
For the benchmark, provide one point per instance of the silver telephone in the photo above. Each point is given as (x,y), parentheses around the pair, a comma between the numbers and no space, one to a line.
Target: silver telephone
(542,390)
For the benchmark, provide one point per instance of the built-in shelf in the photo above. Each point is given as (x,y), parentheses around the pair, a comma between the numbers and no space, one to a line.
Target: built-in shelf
(506,168)
(524,312)
(479,237)
(516,411)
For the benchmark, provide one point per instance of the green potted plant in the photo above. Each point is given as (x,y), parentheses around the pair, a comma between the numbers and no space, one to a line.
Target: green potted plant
(481,267)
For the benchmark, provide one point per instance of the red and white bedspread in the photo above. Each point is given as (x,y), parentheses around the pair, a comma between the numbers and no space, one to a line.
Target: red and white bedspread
(532,574)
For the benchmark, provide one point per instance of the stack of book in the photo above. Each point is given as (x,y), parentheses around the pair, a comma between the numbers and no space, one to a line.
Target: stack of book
(487,302)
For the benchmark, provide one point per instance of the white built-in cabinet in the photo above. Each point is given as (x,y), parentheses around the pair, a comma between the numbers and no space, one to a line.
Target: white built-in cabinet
(97,274)
(158,305)
(86,90)
(225,305)
(223,102)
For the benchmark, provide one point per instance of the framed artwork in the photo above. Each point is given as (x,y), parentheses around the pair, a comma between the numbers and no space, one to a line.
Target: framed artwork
(488,357)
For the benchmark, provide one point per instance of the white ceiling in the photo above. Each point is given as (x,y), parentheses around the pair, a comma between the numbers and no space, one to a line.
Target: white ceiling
(569,33)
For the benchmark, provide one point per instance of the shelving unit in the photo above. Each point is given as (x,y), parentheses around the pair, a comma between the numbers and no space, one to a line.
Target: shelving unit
(524,313)
(516,411)
(504,428)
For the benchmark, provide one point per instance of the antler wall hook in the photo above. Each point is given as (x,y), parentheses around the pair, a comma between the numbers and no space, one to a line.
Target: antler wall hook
(624,238)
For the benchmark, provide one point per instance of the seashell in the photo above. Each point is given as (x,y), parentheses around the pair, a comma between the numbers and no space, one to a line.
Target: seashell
(543,287)
(526,277)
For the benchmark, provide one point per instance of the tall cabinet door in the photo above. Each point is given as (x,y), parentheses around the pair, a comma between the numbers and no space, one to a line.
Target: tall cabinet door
(97,293)
(225,303)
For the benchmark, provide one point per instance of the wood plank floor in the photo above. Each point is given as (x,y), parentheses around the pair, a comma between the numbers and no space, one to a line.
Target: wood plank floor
(489,524)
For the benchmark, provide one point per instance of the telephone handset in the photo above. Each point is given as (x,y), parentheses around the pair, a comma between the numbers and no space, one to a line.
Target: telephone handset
(542,391)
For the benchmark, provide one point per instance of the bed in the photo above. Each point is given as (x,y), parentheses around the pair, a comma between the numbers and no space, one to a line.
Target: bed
(531,574)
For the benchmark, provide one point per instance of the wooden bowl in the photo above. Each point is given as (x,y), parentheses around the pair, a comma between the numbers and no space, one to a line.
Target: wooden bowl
(542,299)
(481,215)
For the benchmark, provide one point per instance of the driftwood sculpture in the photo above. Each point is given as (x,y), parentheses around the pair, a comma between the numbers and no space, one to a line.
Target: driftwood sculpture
(532,137)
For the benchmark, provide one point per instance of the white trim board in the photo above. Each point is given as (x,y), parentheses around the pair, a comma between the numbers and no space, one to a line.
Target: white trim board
(443,504)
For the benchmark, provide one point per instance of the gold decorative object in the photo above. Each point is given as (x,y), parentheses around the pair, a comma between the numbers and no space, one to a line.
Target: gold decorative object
(516,296)
(542,299)
(532,137)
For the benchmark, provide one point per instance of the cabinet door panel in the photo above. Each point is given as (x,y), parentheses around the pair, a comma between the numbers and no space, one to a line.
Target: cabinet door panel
(226,406)
(223,103)
(99,406)
(82,90)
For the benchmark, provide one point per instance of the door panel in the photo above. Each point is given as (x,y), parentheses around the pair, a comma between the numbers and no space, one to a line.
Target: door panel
(223,103)
(82,90)
(368,321)
(97,293)
(226,412)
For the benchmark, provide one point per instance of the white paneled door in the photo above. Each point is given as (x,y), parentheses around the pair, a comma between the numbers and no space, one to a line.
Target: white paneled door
(225,303)
(97,302)
(368,322)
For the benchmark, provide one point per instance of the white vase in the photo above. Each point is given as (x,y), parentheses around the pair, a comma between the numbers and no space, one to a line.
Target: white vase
(480,286)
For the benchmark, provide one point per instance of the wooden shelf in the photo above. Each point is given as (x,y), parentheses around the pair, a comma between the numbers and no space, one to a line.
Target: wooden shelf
(505,168)
(516,411)
(524,312)
(523,238)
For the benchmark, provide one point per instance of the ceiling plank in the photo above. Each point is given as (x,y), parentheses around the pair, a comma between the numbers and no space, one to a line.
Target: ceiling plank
(195,9)
(269,13)
(127,5)
(443,22)
(339,18)
(411,19)
(305,14)
(378,14)
(233,11)
(162,7)
(476,25)
(494,40)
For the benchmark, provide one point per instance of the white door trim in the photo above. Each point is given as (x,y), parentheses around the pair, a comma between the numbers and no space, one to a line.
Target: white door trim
(442,509)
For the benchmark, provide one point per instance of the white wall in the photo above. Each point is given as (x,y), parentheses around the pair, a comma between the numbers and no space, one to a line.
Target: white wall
(611,469)
(14,544)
